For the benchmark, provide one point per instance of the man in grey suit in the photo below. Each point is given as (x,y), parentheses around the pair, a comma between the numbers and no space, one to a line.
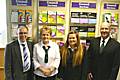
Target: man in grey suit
(18,57)
(103,56)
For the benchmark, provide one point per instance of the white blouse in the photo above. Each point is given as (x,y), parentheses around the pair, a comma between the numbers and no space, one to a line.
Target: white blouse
(53,57)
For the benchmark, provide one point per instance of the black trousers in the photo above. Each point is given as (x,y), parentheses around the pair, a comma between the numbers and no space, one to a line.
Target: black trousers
(45,78)
(28,75)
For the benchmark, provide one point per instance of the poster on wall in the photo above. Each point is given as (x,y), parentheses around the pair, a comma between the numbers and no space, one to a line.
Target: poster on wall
(83,5)
(111,18)
(114,32)
(3,25)
(51,3)
(111,6)
(22,2)
(3,38)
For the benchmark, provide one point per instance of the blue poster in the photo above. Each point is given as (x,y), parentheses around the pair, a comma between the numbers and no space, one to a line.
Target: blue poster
(22,2)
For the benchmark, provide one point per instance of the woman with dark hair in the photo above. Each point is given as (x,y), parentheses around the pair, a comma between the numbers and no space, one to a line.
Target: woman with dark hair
(72,58)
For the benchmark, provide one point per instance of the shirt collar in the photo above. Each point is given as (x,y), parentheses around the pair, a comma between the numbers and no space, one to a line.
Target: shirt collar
(70,48)
(106,40)
(20,42)
(49,43)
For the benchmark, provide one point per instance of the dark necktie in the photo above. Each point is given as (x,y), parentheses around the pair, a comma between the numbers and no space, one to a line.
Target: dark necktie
(46,53)
(70,57)
(102,46)
(26,61)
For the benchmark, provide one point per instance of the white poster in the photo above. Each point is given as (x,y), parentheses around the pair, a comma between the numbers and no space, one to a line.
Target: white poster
(3,24)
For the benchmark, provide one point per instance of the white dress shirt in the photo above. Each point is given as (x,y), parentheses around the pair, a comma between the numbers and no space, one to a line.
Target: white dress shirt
(28,52)
(118,76)
(53,57)
(106,40)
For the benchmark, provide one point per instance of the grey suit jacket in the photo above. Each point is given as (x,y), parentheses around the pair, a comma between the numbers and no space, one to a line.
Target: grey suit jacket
(104,66)
(13,62)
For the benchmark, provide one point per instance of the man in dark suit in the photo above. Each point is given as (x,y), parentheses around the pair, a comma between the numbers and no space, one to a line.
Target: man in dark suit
(18,57)
(103,56)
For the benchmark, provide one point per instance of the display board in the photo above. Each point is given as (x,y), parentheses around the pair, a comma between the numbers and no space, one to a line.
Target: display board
(21,17)
(82,19)
(21,13)
(51,15)
(84,23)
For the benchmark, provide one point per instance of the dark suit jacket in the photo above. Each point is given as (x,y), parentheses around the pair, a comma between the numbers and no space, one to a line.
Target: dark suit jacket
(104,66)
(13,62)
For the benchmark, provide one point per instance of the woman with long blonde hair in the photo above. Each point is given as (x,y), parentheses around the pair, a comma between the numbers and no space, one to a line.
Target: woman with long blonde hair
(72,58)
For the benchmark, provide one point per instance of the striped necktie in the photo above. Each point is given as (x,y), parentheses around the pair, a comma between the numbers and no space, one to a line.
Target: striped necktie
(26,61)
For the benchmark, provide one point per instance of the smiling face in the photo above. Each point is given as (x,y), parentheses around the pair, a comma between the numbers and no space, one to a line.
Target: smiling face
(45,36)
(72,40)
(105,30)
(22,33)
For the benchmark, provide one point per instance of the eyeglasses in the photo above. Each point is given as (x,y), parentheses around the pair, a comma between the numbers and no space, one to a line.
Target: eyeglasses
(23,32)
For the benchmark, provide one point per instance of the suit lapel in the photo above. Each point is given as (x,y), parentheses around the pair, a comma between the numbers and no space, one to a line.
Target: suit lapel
(98,44)
(18,53)
(107,45)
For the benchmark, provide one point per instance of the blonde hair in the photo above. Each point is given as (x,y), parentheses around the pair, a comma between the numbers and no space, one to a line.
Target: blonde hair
(45,28)
(78,52)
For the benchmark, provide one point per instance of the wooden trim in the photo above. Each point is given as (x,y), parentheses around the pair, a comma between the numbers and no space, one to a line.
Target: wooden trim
(1,68)
(2,48)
